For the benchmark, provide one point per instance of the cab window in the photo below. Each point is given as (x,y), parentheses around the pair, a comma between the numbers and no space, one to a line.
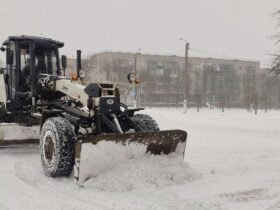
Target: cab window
(46,61)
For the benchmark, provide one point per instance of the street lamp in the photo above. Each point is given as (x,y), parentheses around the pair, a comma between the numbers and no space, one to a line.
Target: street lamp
(136,93)
(186,92)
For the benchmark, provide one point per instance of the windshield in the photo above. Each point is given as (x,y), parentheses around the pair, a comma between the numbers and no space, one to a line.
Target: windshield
(46,60)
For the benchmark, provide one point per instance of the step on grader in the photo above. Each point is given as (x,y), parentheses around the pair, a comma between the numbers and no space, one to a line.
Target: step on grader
(70,116)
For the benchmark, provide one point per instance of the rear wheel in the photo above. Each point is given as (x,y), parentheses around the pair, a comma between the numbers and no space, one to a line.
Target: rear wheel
(148,124)
(145,122)
(57,147)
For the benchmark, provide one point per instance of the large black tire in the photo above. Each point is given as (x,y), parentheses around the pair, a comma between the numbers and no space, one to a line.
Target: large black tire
(145,122)
(57,147)
(2,112)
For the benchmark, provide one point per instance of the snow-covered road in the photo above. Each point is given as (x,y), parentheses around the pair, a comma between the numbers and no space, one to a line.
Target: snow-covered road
(232,162)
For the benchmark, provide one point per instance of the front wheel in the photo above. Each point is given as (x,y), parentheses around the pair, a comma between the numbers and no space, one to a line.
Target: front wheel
(145,122)
(57,147)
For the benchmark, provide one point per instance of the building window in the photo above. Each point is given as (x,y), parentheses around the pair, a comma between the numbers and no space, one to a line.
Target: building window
(173,73)
(159,71)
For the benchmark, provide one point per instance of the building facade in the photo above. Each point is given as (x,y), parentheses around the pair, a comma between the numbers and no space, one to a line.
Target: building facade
(216,82)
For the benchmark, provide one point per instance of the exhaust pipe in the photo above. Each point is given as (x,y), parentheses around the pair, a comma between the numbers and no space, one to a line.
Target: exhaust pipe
(79,62)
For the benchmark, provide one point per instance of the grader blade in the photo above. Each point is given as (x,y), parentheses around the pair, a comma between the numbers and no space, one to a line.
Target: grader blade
(95,154)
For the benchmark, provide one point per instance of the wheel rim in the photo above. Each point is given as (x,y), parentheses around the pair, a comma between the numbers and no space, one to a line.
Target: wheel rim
(49,148)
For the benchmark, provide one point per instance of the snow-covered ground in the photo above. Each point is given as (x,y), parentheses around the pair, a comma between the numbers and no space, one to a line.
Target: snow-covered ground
(232,162)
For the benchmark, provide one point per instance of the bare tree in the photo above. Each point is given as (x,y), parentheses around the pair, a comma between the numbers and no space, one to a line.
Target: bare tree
(179,87)
(276,56)
(249,88)
(107,67)
(197,90)
(255,100)
(205,81)
(148,87)
(221,95)
(209,84)
(230,84)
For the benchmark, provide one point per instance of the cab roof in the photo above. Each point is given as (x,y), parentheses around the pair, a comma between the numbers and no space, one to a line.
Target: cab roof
(35,39)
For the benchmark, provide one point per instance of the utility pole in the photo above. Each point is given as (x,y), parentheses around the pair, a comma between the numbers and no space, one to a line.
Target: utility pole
(186,92)
(136,92)
(134,87)
(187,72)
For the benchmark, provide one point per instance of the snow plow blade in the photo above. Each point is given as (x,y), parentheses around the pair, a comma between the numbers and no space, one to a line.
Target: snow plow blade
(93,150)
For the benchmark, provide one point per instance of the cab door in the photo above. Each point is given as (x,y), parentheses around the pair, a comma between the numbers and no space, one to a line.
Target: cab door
(11,74)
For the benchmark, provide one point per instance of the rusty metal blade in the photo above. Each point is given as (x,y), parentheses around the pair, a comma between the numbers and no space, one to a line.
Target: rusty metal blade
(160,142)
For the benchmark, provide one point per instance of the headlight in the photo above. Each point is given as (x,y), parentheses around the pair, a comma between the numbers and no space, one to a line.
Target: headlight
(82,74)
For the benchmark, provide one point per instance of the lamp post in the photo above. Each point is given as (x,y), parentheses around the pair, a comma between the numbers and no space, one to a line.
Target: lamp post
(136,92)
(186,92)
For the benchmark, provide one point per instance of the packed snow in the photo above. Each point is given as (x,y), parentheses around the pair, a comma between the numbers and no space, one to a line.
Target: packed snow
(13,131)
(128,160)
(231,162)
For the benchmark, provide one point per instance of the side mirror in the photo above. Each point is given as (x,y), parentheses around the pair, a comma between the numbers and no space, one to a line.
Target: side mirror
(3,49)
(9,56)
(64,61)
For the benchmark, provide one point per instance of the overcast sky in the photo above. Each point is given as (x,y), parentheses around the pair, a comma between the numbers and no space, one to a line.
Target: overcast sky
(215,28)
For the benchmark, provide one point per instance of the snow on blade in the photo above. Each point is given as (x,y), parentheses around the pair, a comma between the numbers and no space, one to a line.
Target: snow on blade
(147,171)
(97,159)
(117,163)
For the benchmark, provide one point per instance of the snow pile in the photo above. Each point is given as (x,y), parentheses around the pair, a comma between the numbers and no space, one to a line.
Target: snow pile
(149,171)
(118,168)
(15,131)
